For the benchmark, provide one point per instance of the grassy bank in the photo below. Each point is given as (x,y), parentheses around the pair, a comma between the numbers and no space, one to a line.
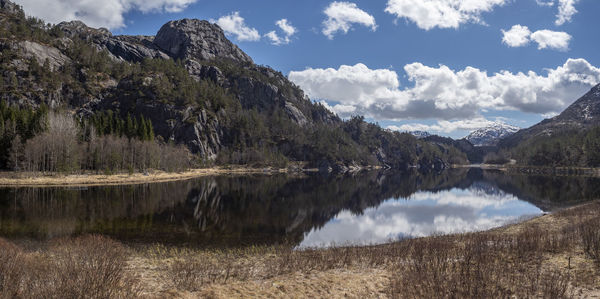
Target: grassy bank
(554,256)
(12,179)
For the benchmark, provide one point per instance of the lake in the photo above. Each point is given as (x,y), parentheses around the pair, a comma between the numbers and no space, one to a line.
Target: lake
(301,211)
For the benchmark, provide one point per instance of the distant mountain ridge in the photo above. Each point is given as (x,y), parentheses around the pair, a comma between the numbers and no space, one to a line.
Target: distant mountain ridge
(420,134)
(582,114)
(491,135)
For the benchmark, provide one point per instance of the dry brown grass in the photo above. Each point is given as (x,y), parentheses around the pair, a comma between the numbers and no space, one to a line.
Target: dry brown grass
(548,257)
(91,179)
(83,267)
(524,260)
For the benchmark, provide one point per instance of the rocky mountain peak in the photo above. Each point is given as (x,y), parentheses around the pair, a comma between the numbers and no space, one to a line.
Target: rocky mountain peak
(199,40)
(582,114)
(586,110)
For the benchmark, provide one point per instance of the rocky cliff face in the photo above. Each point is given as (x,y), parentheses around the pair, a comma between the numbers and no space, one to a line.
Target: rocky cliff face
(203,49)
(199,40)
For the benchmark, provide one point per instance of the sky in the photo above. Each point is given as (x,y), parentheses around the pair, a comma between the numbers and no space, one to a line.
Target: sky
(443,66)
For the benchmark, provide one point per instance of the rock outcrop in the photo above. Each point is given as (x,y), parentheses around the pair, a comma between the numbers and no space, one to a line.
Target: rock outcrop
(199,40)
(44,53)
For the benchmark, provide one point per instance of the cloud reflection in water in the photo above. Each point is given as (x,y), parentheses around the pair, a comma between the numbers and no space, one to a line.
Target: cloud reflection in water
(423,214)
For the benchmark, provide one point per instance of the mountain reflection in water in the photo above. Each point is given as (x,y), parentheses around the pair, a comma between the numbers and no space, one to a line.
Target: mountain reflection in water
(369,207)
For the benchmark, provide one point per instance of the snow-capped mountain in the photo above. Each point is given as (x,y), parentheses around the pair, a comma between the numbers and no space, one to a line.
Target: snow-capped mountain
(491,135)
(420,134)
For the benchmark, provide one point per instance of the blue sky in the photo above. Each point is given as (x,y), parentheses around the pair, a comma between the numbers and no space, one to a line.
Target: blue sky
(412,70)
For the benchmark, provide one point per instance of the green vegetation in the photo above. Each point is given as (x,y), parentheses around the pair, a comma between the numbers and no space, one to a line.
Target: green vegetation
(54,142)
(18,123)
(570,149)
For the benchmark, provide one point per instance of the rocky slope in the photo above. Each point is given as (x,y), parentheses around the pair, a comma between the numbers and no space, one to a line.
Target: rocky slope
(491,135)
(582,114)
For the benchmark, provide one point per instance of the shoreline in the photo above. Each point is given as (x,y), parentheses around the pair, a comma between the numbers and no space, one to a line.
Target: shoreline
(16,179)
(24,179)
(541,257)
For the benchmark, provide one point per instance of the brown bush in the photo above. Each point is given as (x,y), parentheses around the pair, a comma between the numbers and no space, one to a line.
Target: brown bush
(83,267)
(590,236)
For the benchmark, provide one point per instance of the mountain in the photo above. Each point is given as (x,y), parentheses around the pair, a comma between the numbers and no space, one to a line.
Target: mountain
(571,138)
(188,85)
(582,114)
(420,134)
(491,135)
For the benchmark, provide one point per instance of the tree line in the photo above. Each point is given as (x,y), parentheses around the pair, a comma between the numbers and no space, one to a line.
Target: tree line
(573,148)
(48,141)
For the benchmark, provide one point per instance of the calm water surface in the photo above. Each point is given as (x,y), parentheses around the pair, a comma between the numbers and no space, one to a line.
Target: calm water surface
(367,208)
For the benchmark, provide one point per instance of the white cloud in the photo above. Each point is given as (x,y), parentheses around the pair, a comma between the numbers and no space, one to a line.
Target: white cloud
(428,14)
(341,16)
(442,93)
(545,3)
(234,24)
(107,13)
(551,39)
(287,28)
(422,214)
(288,32)
(444,126)
(517,36)
(566,10)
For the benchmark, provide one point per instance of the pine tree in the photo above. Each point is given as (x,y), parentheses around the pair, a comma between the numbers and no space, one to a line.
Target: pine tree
(130,128)
(14,82)
(1,126)
(142,131)
(150,131)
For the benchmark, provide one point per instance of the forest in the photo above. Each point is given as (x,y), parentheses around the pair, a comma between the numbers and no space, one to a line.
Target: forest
(576,148)
(43,141)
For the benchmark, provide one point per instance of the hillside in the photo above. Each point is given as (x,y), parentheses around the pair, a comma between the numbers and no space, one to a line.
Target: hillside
(188,85)
(570,139)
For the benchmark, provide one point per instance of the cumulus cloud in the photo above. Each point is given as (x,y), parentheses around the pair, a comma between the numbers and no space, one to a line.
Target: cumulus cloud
(443,93)
(551,39)
(288,31)
(517,36)
(444,126)
(235,25)
(107,13)
(341,16)
(566,10)
(428,14)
